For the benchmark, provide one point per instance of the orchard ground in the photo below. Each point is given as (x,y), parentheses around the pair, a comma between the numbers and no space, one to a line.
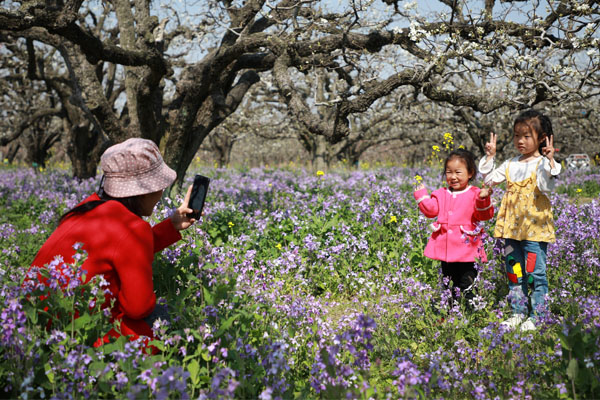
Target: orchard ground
(301,285)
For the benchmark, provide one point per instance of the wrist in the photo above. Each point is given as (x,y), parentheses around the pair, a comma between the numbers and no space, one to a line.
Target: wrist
(176,225)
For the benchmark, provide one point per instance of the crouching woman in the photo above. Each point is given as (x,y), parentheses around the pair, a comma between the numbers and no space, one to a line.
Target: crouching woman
(120,245)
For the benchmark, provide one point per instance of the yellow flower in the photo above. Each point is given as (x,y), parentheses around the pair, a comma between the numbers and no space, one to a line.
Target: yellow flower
(230,224)
(278,245)
(418,178)
(435,148)
(461,147)
(393,219)
(216,165)
(6,161)
(579,190)
(320,173)
(41,169)
(448,136)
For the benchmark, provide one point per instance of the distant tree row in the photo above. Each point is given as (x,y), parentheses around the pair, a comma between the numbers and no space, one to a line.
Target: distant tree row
(338,78)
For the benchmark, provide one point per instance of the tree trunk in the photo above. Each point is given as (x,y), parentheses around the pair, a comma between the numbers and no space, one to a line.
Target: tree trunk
(181,147)
(225,156)
(182,144)
(320,156)
(36,152)
(224,153)
(13,149)
(85,147)
(353,158)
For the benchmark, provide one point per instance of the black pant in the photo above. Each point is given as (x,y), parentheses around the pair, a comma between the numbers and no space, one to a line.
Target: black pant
(160,311)
(462,275)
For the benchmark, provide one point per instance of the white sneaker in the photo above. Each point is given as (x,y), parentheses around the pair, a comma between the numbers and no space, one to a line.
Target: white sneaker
(528,325)
(513,321)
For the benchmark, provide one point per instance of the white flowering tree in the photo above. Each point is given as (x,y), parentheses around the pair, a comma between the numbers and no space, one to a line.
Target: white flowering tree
(261,127)
(182,68)
(474,57)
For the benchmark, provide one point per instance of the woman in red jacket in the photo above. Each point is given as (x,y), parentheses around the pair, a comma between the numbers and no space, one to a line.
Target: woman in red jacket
(120,245)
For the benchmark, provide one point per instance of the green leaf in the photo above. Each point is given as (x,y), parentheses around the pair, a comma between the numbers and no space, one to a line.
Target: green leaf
(419,324)
(32,314)
(226,325)
(330,223)
(194,369)
(82,321)
(573,369)
(49,372)
(96,368)
(117,345)
(564,341)
(104,387)
(208,298)
(158,344)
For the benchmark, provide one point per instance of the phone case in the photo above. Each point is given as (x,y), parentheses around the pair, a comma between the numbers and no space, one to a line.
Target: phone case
(198,196)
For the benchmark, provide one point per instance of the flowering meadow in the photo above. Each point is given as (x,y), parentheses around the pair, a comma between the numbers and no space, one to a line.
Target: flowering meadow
(299,285)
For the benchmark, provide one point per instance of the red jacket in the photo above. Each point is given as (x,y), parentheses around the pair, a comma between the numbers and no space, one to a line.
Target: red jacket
(456,234)
(121,246)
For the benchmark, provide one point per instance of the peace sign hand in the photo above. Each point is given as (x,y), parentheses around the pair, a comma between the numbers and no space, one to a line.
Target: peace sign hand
(490,147)
(485,191)
(549,149)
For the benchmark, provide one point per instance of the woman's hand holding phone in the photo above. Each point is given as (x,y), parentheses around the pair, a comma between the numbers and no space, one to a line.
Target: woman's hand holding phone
(191,209)
(180,219)
(199,190)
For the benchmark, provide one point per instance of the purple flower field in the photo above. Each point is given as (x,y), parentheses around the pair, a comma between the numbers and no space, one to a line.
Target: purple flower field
(295,285)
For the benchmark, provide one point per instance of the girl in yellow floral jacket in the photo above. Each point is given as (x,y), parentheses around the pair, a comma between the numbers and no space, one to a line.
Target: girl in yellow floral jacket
(525,218)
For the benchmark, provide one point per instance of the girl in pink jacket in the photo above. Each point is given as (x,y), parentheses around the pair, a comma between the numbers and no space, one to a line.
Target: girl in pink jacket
(459,208)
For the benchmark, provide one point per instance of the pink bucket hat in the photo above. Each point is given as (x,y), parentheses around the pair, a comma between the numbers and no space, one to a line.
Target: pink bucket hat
(135,167)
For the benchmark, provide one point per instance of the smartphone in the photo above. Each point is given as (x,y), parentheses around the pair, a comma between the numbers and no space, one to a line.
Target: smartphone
(198,196)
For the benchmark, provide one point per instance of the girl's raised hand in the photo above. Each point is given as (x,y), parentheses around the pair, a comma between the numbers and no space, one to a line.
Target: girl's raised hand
(490,147)
(549,149)
(485,191)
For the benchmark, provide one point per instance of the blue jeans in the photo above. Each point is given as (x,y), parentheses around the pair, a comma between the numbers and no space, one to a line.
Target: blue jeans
(526,269)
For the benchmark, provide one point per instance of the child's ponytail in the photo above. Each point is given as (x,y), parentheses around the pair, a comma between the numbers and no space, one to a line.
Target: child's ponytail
(546,126)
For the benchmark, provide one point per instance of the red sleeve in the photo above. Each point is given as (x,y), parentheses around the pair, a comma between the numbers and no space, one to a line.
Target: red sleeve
(133,264)
(483,208)
(165,235)
(428,205)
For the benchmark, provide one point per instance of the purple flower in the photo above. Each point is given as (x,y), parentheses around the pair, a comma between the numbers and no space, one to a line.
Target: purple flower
(121,381)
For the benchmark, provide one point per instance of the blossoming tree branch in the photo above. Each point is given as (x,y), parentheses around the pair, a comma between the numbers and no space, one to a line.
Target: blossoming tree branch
(172,73)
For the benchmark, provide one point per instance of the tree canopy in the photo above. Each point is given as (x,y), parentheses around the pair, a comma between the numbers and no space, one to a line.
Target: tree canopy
(173,72)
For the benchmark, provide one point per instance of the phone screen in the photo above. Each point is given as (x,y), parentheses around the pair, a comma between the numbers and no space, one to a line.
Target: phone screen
(198,196)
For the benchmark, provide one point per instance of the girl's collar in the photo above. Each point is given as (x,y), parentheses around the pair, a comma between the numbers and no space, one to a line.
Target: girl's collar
(518,158)
(459,192)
